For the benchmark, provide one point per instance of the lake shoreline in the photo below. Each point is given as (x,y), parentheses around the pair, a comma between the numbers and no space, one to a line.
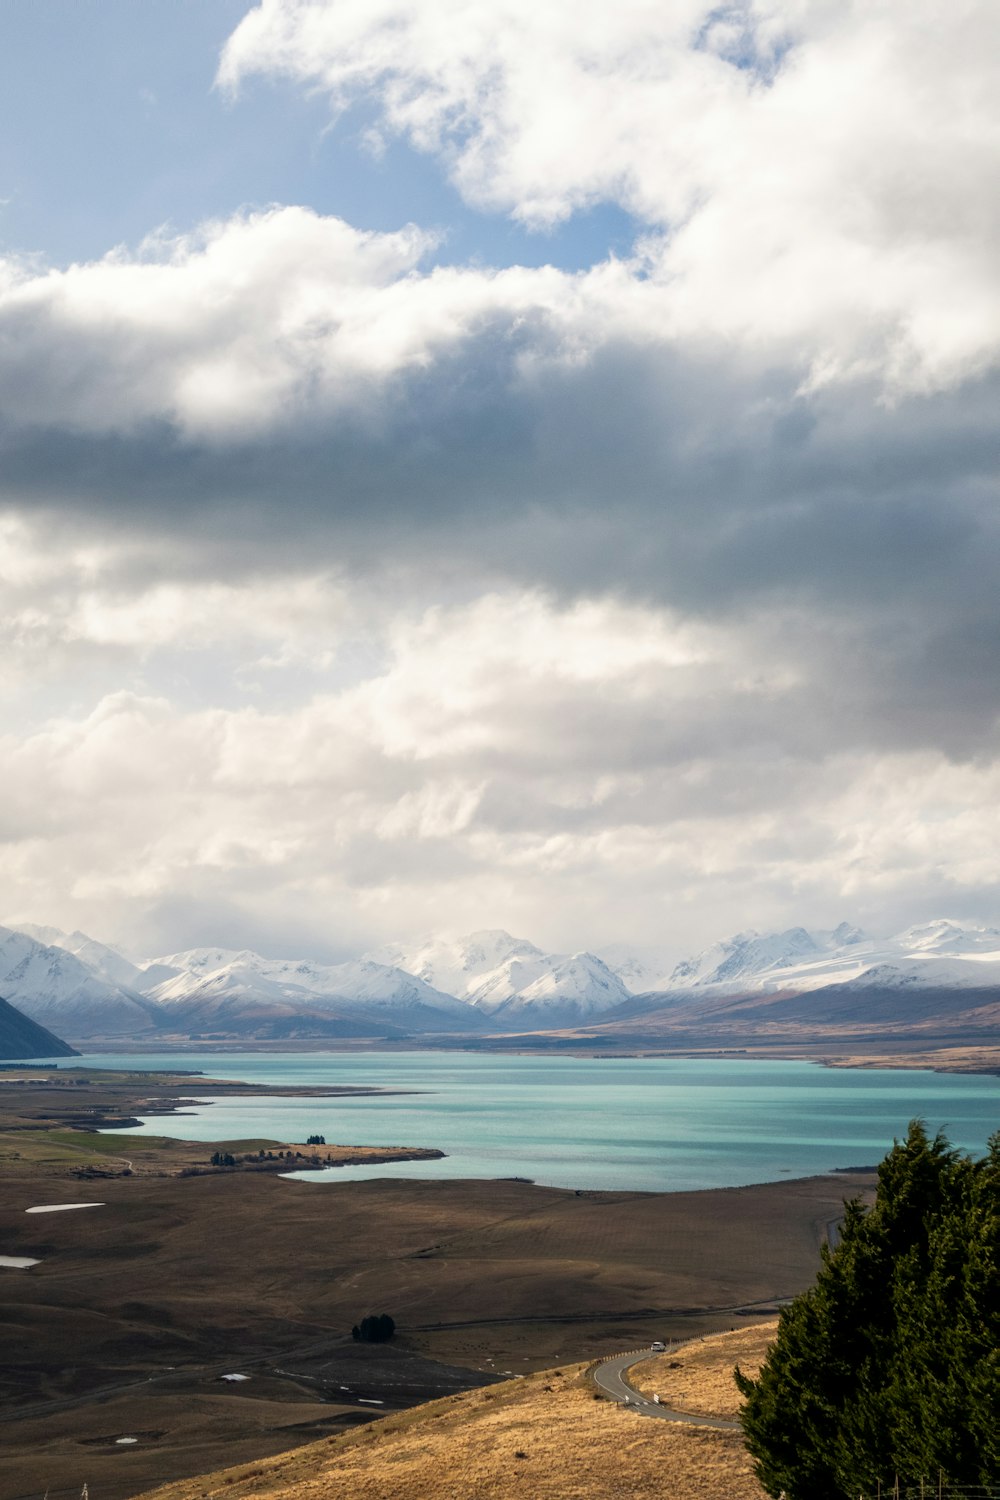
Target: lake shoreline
(55,1124)
(882,1053)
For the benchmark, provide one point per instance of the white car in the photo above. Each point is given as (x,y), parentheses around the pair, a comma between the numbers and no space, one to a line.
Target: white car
(658,1347)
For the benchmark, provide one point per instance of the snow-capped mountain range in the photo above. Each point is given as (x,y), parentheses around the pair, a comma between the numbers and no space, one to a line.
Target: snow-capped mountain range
(942,953)
(206,985)
(486,982)
(50,984)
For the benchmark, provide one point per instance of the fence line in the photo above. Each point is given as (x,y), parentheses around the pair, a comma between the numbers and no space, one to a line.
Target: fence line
(931,1489)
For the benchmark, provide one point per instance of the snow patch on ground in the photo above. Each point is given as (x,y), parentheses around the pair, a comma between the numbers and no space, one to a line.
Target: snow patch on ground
(60,1208)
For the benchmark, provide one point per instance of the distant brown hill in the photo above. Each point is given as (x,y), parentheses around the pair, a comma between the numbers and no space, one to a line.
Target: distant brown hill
(945,1014)
(23,1038)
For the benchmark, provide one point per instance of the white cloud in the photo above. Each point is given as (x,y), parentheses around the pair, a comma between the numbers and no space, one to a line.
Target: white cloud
(270,318)
(584,773)
(818,170)
(303,616)
(211,332)
(538,108)
(808,179)
(81,613)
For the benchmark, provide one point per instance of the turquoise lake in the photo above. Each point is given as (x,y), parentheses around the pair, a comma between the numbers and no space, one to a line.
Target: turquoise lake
(654,1124)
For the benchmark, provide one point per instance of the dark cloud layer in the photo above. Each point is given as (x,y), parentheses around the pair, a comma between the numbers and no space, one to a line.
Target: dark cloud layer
(870,529)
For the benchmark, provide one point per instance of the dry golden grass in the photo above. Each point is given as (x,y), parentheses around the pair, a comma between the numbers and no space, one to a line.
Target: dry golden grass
(698,1377)
(541,1438)
(61,1153)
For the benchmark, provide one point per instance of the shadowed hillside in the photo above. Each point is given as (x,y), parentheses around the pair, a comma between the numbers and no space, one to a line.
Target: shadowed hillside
(22,1038)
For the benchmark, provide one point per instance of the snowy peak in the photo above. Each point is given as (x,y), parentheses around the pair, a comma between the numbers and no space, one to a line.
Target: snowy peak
(944,952)
(751,955)
(362,989)
(101,959)
(58,990)
(510,979)
(758,954)
(704,966)
(641,970)
(845,936)
(459,966)
(384,985)
(947,936)
(200,960)
(578,987)
(49,937)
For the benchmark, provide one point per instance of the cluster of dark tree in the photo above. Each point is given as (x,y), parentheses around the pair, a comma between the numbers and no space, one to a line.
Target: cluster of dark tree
(315,1140)
(377,1328)
(226,1158)
(887,1372)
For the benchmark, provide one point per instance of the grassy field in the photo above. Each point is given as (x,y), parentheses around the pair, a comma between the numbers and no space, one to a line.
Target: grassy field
(58,1152)
(698,1377)
(66,1124)
(545,1437)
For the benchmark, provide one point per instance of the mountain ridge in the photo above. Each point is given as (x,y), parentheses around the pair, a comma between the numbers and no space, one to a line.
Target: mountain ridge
(487,981)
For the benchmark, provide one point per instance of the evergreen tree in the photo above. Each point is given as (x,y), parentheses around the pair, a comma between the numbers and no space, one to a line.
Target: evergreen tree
(889,1365)
(377,1328)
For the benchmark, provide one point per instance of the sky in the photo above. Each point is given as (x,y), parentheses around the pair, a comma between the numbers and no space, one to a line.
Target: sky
(529,465)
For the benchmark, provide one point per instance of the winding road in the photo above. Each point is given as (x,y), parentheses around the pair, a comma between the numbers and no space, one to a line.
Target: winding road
(609,1377)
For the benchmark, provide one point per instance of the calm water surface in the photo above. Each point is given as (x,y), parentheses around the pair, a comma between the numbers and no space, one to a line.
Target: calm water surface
(660,1124)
